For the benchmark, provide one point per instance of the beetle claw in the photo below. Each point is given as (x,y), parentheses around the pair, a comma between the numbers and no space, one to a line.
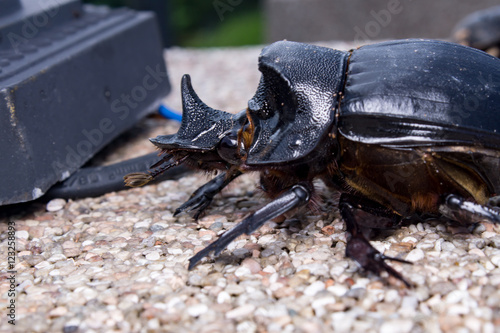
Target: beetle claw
(359,249)
(203,196)
(196,203)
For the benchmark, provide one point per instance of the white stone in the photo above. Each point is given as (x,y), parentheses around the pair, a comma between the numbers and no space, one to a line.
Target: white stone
(495,260)
(58,312)
(240,312)
(415,255)
(153,255)
(246,327)
(22,234)
(175,251)
(337,289)
(43,264)
(319,305)
(269,269)
(87,243)
(314,288)
(266,239)
(142,224)
(57,257)
(55,204)
(397,325)
(243,271)
(223,297)
(315,268)
(197,310)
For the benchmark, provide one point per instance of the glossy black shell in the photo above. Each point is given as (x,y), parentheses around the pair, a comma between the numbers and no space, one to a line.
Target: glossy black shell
(417,93)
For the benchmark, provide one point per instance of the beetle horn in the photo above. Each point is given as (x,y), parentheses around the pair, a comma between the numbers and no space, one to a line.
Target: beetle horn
(201,126)
(193,108)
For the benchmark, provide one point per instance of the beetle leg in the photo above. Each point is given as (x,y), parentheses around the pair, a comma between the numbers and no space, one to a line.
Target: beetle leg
(296,196)
(494,201)
(359,248)
(461,210)
(203,196)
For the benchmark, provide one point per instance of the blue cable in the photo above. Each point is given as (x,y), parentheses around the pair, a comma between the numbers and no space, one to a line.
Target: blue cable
(169,114)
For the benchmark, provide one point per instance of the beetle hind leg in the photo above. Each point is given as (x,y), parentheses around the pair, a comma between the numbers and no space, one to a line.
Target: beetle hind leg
(494,201)
(466,212)
(358,247)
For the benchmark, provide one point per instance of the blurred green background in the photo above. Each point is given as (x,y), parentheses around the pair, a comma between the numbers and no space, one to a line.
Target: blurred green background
(201,23)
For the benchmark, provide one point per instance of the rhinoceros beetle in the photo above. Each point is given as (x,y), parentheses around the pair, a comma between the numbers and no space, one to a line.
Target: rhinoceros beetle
(400,128)
(480,30)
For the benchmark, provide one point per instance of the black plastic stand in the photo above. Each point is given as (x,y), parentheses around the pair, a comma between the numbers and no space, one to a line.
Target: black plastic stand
(72,78)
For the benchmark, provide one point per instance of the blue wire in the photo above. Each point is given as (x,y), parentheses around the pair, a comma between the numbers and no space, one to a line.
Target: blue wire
(169,114)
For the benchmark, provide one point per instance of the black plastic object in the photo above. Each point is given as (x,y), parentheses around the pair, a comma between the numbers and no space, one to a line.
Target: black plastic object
(95,181)
(72,78)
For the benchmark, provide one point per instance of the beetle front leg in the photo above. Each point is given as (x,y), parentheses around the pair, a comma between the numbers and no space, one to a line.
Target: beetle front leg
(202,197)
(296,196)
(358,247)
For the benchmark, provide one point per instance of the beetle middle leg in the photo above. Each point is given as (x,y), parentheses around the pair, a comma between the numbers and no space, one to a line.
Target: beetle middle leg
(358,247)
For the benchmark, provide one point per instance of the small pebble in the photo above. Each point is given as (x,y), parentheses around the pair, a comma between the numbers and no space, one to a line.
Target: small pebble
(142,224)
(223,297)
(22,234)
(415,255)
(55,205)
(155,255)
(253,266)
(58,312)
(197,310)
(397,325)
(240,312)
(314,288)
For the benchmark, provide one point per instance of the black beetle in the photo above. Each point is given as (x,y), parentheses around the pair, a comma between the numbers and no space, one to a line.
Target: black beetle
(401,128)
(480,30)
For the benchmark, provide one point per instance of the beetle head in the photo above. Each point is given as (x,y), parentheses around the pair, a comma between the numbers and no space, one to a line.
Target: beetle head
(292,111)
(206,139)
(202,127)
(206,134)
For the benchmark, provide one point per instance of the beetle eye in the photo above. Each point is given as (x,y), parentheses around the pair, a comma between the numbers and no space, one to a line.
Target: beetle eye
(228,148)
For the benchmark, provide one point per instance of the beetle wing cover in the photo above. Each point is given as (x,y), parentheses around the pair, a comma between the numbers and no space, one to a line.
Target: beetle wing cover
(421,92)
(295,103)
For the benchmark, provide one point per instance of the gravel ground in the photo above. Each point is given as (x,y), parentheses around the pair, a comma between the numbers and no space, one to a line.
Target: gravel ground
(118,263)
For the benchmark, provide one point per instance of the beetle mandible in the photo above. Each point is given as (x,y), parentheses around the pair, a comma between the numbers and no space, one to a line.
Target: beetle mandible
(400,128)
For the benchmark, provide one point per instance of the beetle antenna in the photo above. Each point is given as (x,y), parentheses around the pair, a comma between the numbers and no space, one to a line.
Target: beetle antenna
(137,179)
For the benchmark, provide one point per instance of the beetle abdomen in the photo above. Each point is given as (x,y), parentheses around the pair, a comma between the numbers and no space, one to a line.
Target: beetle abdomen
(421,92)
